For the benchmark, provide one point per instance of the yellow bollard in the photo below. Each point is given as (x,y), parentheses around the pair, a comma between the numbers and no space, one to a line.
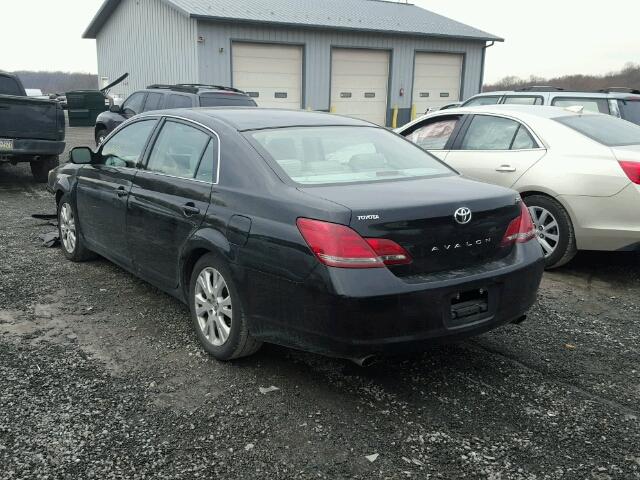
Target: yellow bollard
(394,117)
(332,109)
(413,112)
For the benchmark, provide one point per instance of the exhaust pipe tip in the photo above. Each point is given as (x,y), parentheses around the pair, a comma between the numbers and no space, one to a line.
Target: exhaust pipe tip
(365,361)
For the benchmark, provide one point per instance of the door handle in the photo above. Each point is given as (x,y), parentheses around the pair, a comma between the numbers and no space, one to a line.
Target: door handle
(190,210)
(505,168)
(121,192)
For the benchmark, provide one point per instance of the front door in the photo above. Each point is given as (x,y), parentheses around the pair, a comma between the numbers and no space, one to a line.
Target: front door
(103,190)
(495,149)
(169,199)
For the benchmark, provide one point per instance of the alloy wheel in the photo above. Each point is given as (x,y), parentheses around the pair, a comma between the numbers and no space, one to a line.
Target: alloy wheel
(547,229)
(213,306)
(67,228)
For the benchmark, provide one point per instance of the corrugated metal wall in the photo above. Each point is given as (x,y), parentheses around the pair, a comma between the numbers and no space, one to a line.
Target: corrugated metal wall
(215,65)
(152,41)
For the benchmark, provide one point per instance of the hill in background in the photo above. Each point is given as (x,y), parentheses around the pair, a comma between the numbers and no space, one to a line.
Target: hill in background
(58,82)
(629,76)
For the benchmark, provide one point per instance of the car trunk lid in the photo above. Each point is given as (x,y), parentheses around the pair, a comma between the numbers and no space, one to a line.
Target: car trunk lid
(419,215)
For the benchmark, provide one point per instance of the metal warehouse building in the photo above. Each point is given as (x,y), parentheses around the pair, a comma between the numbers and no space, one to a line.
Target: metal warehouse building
(355,57)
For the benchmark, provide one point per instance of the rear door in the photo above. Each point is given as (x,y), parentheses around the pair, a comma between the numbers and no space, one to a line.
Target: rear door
(103,190)
(169,199)
(495,149)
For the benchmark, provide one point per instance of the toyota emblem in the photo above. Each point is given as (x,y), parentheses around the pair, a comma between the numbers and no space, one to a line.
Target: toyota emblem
(462,215)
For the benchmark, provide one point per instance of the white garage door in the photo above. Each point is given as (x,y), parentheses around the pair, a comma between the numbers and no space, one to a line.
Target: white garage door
(271,74)
(436,80)
(359,81)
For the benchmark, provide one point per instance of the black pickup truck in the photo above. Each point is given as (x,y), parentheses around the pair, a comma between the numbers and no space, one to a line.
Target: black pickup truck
(31,129)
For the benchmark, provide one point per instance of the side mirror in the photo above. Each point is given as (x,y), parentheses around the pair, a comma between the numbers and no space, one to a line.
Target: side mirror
(81,156)
(115,109)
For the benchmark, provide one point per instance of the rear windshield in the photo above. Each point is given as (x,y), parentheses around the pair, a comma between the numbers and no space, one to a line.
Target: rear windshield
(8,86)
(226,100)
(605,129)
(630,110)
(342,154)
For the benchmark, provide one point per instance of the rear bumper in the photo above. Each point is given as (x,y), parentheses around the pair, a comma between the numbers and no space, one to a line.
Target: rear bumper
(351,313)
(28,148)
(606,223)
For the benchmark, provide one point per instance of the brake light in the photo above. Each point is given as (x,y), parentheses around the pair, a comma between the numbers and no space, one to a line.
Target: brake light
(521,229)
(339,246)
(632,169)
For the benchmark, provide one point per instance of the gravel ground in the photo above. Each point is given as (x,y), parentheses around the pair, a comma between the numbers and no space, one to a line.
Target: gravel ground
(101,377)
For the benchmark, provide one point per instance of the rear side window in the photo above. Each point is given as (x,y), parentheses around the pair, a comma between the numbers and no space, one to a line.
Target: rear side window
(480,101)
(177,150)
(154,102)
(604,129)
(523,100)
(9,86)
(226,100)
(208,164)
(179,101)
(434,134)
(630,110)
(595,105)
(490,133)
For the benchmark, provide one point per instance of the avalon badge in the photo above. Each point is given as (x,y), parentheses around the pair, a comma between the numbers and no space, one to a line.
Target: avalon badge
(462,215)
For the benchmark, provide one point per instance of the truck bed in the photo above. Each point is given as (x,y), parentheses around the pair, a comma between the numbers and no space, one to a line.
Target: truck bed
(31,118)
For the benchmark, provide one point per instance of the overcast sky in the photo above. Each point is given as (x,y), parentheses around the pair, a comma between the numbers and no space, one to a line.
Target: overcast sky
(545,38)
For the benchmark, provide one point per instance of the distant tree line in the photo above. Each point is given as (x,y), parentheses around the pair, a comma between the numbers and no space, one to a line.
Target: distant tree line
(58,82)
(629,76)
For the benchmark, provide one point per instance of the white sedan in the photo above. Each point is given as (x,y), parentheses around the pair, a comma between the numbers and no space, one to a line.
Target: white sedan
(579,173)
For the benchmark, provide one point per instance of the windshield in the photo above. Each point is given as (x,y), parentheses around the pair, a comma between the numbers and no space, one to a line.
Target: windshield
(340,154)
(630,110)
(480,101)
(604,129)
(226,100)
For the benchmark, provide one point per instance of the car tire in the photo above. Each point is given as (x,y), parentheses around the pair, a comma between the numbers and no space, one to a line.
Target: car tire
(556,231)
(40,168)
(218,316)
(101,134)
(69,232)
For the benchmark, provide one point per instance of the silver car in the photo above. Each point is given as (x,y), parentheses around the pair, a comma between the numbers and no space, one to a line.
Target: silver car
(578,172)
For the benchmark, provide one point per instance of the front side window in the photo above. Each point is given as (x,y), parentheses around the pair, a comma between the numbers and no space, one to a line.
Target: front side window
(434,135)
(177,150)
(343,154)
(480,101)
(523,100)
(595,105)
(154,102)
(490,133)
(133,104)
(125,148)
(179,101)
(604,129)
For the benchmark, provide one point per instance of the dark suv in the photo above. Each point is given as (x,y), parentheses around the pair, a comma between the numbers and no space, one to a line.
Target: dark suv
(163,97)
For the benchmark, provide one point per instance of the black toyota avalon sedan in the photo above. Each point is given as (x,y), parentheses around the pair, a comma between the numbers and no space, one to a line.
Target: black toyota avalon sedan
(308,230)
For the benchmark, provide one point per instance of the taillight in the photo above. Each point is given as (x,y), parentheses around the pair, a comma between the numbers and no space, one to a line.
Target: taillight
(521,229)
(632,169)
(339,246)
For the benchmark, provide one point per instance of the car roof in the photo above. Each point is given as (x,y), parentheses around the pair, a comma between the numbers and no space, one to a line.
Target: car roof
(251,118)
(606,93)
(537,111)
